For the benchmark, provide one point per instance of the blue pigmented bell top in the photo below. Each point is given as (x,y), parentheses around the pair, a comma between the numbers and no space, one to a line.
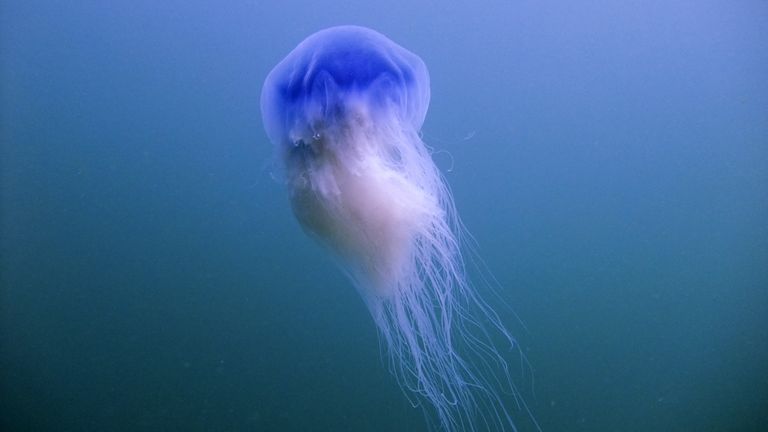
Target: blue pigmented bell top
(314,86)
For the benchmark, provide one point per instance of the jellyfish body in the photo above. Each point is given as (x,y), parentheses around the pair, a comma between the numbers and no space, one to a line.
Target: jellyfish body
(344,110)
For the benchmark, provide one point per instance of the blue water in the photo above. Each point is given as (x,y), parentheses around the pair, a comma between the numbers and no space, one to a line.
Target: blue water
(611,159)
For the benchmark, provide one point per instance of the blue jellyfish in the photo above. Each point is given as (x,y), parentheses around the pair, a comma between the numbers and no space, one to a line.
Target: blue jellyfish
(344,110)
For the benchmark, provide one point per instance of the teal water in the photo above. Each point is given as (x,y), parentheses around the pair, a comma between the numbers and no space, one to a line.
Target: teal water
(610,159)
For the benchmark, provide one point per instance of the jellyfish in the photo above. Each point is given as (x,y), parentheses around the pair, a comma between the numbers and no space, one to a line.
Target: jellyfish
(344,112)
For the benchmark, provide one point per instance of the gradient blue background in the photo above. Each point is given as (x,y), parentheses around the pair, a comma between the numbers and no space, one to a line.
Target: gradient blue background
(610,157)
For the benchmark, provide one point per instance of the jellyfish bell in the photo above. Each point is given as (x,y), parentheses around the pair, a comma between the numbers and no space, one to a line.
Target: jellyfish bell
(344,110)
(336,108)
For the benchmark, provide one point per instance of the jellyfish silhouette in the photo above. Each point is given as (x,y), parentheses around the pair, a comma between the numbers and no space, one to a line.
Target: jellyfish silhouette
(344,110)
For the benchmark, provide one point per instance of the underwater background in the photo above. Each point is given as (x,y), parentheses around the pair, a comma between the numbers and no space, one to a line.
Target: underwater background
(610,158)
